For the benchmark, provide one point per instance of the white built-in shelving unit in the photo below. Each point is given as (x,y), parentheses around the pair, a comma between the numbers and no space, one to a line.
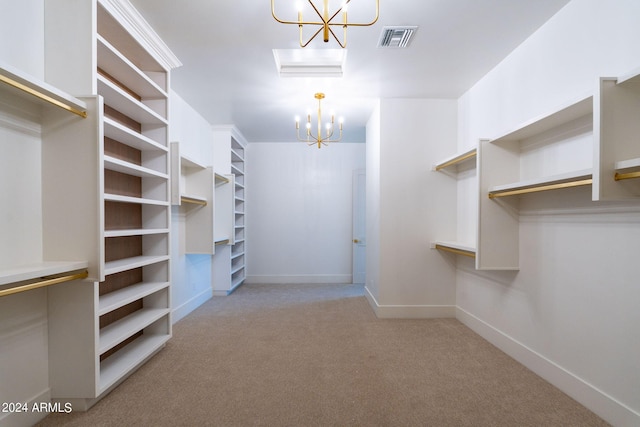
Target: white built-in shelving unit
(617,109)
(205,199)
(591,142)
(238,272)
(102,329)
(38,107)
(228,267)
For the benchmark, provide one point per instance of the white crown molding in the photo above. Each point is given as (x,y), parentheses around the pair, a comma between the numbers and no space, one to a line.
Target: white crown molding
(135,23)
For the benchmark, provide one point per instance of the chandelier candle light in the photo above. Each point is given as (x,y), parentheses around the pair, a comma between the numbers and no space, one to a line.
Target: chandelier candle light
(326,21)
(318,139)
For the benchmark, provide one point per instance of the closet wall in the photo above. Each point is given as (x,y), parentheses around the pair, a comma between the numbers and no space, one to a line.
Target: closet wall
(571,311)
(299,214)
(408,206)
(190,273)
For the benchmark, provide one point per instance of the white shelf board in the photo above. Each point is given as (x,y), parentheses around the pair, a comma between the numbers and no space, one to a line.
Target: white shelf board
(128,168)
(561,115)
(118,331)
(548,180)
(37,270)
(33,84)
(116,366)
(129,199)
(123,134)
(189,163)
(627,165)
(135,232)
(125,264)
(127,105)
(455,245)
(458,159)
(121,297)
(127,73)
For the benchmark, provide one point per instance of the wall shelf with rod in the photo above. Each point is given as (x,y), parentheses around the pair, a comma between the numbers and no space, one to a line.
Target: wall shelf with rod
(456,161)
(618,138)
(462,168)
(455,248)
(516,163)
(555,182)
(16,82)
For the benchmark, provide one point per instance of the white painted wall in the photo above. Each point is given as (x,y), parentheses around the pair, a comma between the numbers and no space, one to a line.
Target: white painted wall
(571,312)
(299,212)
(409,208)
(190,274)
(19,48)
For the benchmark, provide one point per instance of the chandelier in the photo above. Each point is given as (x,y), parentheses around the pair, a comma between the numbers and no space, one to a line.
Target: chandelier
(312,139)
(326,21)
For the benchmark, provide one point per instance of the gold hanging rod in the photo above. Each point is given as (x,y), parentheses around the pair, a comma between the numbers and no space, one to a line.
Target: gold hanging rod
(456,251)
(627,175)
(505,193)
(42,96)
(461,158)
(222,178)
(222,242)
(193,200)
(44,282)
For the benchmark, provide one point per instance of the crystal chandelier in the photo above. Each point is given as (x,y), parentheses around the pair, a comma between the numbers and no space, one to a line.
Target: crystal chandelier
(326,21)
(318,139)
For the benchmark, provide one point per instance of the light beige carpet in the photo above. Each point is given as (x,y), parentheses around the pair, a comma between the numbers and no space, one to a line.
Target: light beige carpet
(316,355)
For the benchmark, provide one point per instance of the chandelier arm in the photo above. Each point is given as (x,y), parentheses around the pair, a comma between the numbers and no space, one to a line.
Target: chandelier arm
(338,40)
(312,37)
(273,13)
(355,24)
(317,11)
(337,12)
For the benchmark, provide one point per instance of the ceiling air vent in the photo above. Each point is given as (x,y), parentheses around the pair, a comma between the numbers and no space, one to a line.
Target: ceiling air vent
(396,37)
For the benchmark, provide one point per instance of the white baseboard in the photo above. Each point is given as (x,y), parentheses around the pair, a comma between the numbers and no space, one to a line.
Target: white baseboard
(190,305)
(600,403)
(409,311)
(305,278)
(28,417)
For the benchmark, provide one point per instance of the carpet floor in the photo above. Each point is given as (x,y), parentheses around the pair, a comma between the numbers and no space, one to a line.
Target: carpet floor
(316,355)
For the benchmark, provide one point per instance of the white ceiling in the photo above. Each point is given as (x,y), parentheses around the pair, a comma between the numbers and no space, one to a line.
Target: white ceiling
(229,74)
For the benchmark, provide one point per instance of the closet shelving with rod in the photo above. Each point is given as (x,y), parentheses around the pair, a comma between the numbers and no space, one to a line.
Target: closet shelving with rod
(618,148)
(122,317)
(514,164)
(460,167)
(30,260)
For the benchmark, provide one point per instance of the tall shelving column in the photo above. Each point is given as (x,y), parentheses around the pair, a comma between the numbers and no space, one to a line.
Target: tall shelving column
(122,318)
(238,273)
(228,266)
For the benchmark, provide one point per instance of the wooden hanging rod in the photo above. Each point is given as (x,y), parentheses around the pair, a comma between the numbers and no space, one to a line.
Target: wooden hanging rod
(193,200)
(46,281)
(505,193)
(459,159)
(626,175)
(42,96)
(222,242)
(455,250)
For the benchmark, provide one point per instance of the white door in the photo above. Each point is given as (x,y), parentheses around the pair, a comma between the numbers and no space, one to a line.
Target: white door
(359,226)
